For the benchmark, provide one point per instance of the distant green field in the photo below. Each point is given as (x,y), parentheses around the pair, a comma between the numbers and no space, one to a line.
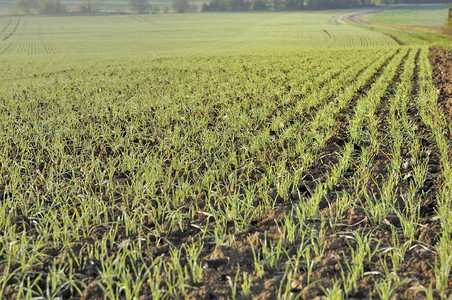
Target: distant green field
(187,33)
(421,15)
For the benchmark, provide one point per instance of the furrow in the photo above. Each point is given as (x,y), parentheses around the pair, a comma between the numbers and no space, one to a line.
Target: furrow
(13,31)
(7,25)
(338,152)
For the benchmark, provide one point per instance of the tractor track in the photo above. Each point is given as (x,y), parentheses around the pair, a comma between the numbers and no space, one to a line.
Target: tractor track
(13,31)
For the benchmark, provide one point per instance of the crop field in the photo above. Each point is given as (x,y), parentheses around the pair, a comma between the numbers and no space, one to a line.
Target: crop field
(283,156)
(411,24)
(412,15)
(157,35)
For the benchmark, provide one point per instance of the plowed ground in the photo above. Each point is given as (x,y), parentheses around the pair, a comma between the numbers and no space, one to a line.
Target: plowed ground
(441,60)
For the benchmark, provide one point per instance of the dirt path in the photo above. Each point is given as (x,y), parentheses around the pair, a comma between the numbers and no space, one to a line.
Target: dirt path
(356,17)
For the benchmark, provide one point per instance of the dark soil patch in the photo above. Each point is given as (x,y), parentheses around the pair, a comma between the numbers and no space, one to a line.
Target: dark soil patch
(396,39)
(441,61)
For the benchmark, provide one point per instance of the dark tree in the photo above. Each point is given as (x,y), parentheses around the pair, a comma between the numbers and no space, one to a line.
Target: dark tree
(89,6)
(39,6)
(140,6)
(26,6)
(217,5)
(239,5)
(180,6)
(259,5)
(276,4)
(51,7)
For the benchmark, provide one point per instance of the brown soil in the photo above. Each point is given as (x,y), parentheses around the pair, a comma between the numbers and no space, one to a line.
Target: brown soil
(441,60)
(396,39)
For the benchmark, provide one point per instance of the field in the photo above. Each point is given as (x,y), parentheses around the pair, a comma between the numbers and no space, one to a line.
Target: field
(157,35)
(215,156)
(412,24)
(411,15)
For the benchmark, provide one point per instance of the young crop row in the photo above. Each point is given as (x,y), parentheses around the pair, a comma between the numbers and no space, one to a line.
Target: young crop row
(335,37)
(262,175)
(20,36)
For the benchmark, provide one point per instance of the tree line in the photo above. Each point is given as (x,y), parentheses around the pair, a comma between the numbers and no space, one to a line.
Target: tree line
(182,6)
(39,6)
(88,6)
(247,5)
